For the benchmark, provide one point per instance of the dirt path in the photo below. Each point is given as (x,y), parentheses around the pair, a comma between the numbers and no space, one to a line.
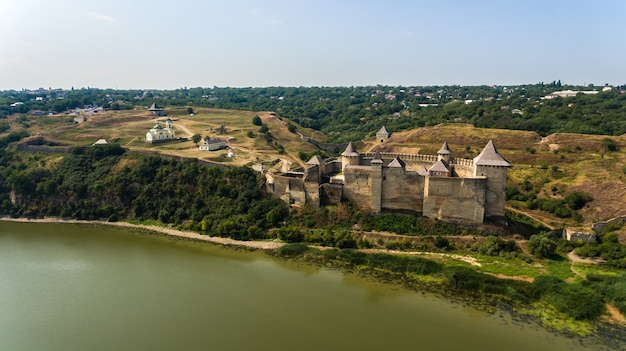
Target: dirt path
(577,259)
(185,129)
(533,217)
(615,315)
(468,259)
(265,245)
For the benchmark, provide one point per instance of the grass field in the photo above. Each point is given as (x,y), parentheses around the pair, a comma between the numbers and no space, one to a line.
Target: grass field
(128,128)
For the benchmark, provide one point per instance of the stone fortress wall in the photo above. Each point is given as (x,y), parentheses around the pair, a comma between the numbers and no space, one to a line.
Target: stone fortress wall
(436,186)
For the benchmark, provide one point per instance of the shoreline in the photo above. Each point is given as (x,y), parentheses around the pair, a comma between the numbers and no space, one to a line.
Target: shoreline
(262,245)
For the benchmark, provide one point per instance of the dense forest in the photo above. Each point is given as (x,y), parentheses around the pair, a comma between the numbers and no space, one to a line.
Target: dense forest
(106,183)
(352,113)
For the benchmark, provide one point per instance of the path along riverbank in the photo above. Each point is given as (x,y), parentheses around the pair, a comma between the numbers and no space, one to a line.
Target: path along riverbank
(265,245)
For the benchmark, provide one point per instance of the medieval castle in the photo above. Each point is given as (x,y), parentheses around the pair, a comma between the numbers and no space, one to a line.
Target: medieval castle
(441,186)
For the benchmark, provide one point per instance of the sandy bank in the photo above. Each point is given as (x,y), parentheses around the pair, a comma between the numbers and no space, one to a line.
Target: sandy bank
(265,245)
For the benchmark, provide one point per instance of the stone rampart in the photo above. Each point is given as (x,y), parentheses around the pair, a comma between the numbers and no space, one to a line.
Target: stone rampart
(455,199)
(600,226)
(402,190)
(357,187)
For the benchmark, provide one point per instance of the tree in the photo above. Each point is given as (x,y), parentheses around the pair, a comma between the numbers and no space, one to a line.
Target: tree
(263,129)
(577,200)
(207,138)
(609,144)
(190,110)
(196,138)
(222,129)
(542,245)
(256,120)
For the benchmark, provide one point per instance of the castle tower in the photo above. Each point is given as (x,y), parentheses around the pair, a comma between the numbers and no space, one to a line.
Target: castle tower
(169,124)
(444,153)
(313,171)
(350,157)
(376,177)
(382,134)
(490,164)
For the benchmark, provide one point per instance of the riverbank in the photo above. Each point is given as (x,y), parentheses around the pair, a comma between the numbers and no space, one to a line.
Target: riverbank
(263,245)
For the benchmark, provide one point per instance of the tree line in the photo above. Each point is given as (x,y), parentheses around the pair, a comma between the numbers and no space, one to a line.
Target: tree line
(352,113)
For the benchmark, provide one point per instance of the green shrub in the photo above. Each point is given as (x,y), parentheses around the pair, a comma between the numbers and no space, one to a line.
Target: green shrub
(573,300)
(542,245)
(293,249)
(463,278)
(441,242)
(494,246)
(290,234)
(577,302)
(403,264)
(611,287)
(547,284)
(609,144)
(577,200)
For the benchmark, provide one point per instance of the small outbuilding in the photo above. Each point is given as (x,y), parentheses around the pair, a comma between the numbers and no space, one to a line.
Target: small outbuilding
(212,145)
(157,111)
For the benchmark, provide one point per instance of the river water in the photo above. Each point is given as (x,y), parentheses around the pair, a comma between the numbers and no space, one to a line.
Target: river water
(85,287)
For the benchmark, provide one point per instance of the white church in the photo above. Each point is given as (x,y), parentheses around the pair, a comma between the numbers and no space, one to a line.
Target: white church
(159,134)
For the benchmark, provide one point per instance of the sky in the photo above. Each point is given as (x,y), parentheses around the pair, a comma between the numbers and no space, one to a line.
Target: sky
(141,44)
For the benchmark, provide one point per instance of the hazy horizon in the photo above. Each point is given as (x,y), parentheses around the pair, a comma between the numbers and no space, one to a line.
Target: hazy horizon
(243,43)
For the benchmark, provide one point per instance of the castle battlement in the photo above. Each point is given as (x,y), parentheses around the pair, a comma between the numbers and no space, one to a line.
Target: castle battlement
(436,186)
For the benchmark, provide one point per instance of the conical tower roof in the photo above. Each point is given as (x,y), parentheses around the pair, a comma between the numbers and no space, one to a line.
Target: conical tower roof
(396,163)
(154,107)
(445,149)
(377,159)
(315,160)
(383,130)
(440,166)
(490,157)
(350,151)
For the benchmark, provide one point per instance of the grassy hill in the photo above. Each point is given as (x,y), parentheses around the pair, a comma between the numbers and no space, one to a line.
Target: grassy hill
(548,167)
(128,128)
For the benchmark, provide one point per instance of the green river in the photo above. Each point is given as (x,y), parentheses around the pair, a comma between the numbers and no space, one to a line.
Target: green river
(86,287)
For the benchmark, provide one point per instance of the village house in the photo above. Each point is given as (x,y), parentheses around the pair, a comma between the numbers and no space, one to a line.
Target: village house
(212,145)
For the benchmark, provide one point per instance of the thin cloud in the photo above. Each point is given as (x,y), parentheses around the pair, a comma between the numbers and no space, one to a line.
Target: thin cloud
(100,17)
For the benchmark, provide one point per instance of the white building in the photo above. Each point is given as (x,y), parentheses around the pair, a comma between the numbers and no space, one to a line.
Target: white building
(212,145)
(159,134)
